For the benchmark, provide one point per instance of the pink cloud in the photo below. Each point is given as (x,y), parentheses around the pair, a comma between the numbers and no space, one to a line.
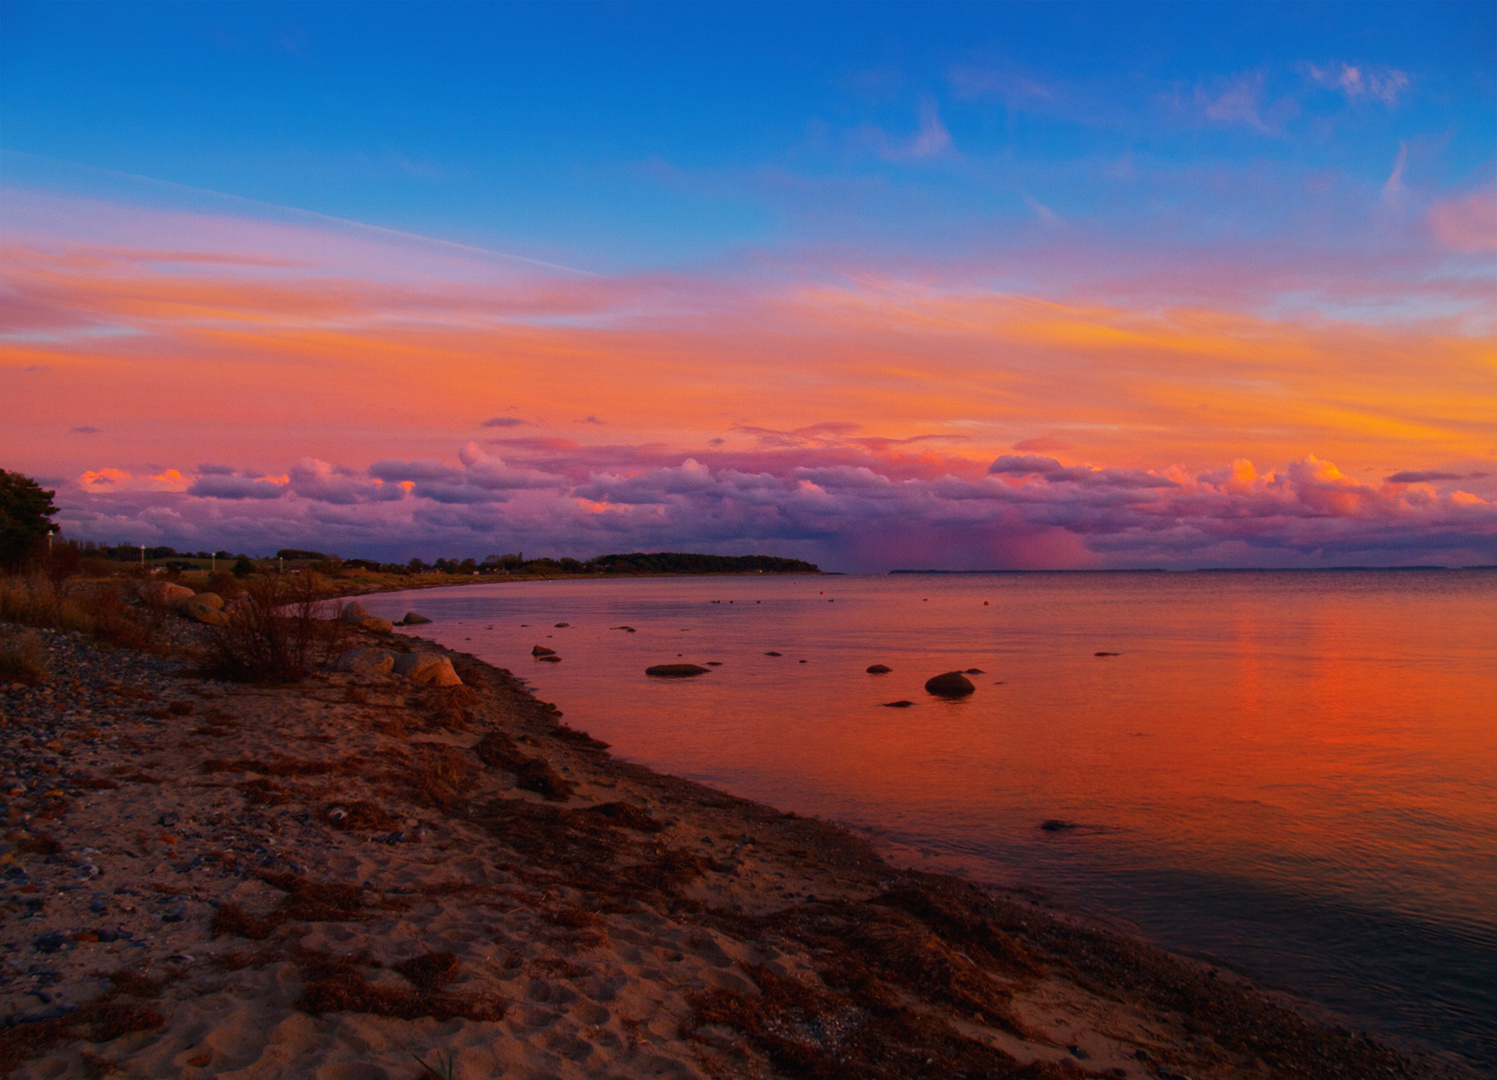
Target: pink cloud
(1467,223)
(1027,512)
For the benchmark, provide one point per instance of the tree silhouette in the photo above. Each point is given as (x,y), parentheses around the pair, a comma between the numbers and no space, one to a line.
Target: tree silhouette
(25,518)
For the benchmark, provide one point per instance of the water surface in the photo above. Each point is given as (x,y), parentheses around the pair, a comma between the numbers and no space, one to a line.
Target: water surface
(1291,773)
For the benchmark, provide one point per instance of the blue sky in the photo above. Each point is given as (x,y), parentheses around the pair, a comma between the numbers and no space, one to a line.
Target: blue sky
(639,135)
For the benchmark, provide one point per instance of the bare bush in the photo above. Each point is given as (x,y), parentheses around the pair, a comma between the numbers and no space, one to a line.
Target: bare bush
(276,631)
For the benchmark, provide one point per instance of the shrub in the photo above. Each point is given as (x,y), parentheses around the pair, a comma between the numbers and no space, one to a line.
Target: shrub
(275,632)
(23,660)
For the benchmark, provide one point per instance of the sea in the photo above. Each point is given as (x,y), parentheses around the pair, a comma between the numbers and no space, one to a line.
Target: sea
(1289,774)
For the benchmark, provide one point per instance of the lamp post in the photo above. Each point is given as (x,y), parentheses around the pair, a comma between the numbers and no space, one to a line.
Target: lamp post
(142,556)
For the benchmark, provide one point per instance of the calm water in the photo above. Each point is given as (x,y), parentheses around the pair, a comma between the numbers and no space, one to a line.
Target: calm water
(1291,773)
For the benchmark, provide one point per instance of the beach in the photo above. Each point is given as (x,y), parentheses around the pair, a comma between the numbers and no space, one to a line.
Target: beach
(361,876)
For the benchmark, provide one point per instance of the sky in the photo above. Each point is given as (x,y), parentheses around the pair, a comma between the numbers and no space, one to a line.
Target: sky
(1010,286)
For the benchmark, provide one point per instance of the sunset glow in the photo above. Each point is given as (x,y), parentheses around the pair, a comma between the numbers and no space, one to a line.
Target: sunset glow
(960,306)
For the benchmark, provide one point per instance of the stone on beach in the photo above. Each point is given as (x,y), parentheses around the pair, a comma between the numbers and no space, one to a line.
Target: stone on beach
(198,610)
(378,625)
(879,669)
(353,611)
(163,593)
(211,599)
(412,619)
(675,671)
(952,684)
(431,668)
(366,662)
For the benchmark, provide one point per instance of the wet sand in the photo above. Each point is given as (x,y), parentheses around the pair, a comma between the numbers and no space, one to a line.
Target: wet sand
(362,877)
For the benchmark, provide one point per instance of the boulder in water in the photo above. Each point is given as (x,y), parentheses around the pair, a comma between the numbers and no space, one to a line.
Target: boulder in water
(412,619)
(879,669)
(675,671)
(901,704)
(549,658)
(541,650)
(771,653)
(353,611)
(952,684)
(1057,825)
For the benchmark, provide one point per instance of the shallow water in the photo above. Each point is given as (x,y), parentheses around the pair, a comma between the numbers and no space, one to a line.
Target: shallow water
(1291,773)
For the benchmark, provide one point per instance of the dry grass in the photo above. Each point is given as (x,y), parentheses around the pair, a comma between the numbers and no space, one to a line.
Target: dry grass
(23,659)
(96,610)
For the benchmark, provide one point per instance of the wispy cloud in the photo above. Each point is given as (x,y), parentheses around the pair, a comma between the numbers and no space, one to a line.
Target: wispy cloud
(1360,81)
(929,142)
(1241,100)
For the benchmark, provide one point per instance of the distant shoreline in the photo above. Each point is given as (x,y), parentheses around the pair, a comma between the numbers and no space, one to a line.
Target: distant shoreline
(1212,570)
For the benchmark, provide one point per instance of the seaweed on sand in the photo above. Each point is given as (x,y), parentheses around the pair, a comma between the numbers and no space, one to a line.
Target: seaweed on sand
(338,984)
(430,970)
(102,1020)
(808,1031)
(625,816)
(497,750)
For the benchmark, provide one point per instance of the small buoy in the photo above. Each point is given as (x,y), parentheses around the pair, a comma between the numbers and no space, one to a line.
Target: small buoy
(984,603)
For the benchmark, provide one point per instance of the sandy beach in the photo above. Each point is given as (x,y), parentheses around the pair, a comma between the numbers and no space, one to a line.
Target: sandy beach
(358,876)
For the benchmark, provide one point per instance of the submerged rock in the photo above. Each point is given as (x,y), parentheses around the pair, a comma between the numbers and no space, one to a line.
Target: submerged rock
(901,704)
(541,650)
(412,619)
(952,684)
(549,658)
(675,671)
(975,671)
(1057,825)
(879,669)
(772,654)
(1107,654)
(626,629)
